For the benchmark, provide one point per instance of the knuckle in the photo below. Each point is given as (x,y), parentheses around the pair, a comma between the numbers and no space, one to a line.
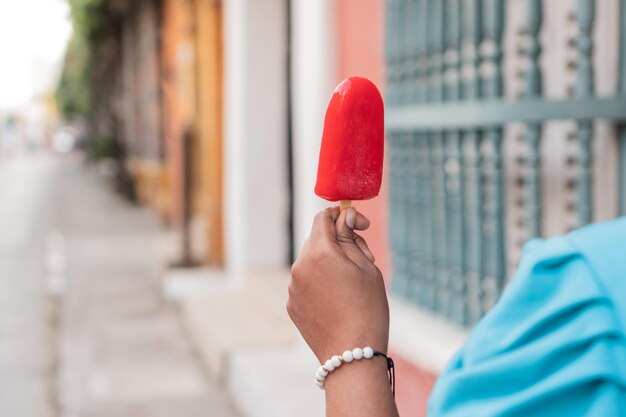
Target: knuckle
(319,216)
(375,272)
(315,255)
(323,216)
(319,254)
(310,261)
(346,238)
(290,308)
(295,269)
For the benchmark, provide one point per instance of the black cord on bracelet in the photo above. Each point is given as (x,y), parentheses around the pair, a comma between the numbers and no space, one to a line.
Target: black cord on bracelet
(391,370)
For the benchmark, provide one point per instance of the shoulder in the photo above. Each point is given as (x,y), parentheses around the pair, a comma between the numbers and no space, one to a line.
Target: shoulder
(557,330)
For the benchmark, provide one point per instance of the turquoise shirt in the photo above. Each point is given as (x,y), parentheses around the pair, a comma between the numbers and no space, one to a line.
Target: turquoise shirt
(554,344)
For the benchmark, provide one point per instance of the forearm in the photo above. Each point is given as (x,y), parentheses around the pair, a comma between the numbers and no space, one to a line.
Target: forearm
(360,389)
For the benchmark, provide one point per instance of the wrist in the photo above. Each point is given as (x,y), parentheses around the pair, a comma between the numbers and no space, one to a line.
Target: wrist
(358,385)
(356,355)
(360,389)
(369,371)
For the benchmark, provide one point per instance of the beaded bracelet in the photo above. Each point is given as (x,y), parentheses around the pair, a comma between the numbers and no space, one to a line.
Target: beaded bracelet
(349,356)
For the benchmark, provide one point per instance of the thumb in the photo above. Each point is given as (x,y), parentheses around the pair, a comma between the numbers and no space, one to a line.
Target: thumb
(347,239)
(344,225)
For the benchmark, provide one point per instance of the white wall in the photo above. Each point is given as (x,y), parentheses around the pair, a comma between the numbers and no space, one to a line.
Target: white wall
(255,152)
(314,70)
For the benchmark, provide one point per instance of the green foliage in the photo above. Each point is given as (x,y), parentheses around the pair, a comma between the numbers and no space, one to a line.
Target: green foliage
(73,95)
(86,18)
(103,148)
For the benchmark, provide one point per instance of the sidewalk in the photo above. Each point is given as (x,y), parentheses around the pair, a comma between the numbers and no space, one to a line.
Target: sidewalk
(27,339)
(123,351)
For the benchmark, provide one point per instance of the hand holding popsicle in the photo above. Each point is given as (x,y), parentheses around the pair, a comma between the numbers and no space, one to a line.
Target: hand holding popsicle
(337,296)
(350,168)
(337,300)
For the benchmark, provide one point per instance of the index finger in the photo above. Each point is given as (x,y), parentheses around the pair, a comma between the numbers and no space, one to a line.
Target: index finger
(324,224)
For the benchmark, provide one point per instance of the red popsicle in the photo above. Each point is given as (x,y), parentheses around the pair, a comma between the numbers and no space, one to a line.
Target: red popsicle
(351,156)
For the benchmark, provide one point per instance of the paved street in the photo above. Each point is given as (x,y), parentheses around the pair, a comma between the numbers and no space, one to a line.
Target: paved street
(84,331)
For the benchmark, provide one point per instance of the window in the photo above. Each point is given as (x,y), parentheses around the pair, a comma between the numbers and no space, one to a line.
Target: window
(481,156)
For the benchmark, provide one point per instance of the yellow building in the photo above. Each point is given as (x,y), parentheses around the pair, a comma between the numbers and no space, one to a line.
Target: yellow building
(169,110)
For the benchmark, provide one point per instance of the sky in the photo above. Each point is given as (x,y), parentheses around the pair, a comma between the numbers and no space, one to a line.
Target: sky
(33,35)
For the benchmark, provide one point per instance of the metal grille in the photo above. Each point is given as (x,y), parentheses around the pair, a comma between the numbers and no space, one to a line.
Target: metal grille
(446,118)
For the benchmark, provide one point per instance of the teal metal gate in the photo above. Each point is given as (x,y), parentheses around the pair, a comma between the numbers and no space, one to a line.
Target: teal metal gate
(446,115)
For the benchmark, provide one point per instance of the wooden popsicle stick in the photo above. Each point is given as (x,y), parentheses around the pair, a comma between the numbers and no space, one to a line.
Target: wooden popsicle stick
(344,204)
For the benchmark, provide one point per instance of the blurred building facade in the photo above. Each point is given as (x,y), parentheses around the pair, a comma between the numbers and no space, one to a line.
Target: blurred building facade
(160,68)
(220,107)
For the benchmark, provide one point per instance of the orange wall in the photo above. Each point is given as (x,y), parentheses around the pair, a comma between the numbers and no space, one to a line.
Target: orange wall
(172,120)
(192,96)
(360,29)
(208,125)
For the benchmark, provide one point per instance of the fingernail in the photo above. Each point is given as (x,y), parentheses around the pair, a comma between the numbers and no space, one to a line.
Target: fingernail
(351,218)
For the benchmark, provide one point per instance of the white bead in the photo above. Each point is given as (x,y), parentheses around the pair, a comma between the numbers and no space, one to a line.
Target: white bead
(329,366)
(319,384)
(336,360)
(357,353)
(321,372)
(368,352)
(347,356)
(319,377)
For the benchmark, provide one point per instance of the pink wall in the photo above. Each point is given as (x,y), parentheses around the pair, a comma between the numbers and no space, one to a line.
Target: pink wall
(413,386)
(360,31)
(361,52)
